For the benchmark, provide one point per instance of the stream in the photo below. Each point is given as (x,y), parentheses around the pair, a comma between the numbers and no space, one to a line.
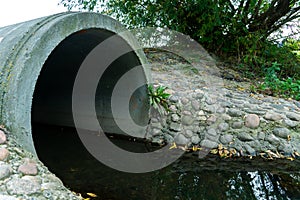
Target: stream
(61,150)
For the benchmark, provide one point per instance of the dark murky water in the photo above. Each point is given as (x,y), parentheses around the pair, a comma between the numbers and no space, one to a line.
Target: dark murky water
(188,178)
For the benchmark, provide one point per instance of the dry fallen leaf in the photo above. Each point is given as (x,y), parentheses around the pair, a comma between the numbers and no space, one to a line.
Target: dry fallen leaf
(214,151)
(91,194)
(290,158)
(173,146)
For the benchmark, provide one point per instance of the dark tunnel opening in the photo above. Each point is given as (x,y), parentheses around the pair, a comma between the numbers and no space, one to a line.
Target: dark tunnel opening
(55,138)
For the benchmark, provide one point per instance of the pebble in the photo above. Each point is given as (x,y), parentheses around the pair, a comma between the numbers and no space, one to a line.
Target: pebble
(195,105)
(4,153)
(270,115)
(175,127)
(187,120)
(293,116)
(212,132)
(226,117)
(195,139)
(290,123)
(5,171)
(202,118)
(188,133)
(173,99)
(181,139)
(175,118)
(223,126)
(261,136)
(2,137)
(184,101)
(25,185)
(252,121)
(249,149)
(156,131)
(237,125)
(272,139)
(281,132)
(212,119)
(226,139)
(28,169)
(208,144)
(210,108)
(235,112)
(173,108)
(210,100)
(243,136)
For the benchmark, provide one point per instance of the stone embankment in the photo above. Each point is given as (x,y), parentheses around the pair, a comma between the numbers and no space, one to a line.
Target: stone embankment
(209,111)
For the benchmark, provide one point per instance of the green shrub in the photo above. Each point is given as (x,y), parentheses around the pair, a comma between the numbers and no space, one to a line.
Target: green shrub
(285,87)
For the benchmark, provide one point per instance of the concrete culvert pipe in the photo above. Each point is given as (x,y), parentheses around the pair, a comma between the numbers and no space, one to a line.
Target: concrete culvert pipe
(39,61)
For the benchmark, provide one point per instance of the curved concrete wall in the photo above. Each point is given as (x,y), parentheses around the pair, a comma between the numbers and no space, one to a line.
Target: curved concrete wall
(39,60)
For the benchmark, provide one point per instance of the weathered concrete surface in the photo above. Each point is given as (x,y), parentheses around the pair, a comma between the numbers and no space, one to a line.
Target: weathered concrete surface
(49,51)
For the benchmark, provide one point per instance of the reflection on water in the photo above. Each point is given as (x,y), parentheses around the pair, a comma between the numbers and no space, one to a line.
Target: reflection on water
(188,178)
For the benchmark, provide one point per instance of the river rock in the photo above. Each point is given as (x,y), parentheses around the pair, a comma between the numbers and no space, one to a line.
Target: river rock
(237,125)
(187,120)
(2,137)
(271,115)
(25,185)
(261,136)
(243,136)
(286,148)
(210,100)
(175,127)
(252,121)
(195,105)
(290,123)
(5,171)
(175,118)
(4,153)
(188,133)
(28,168)
(212,132)
(210,108)
(249,149)
(173,99)
(173,108)
(156,131)
(225,139)
(223,126)
(272,139)
(281,132)
(195,139)
(184,100)
(293,116)
(208,144)
(235,112)
(199,94)
(181,139)
(212,119)
(226,117)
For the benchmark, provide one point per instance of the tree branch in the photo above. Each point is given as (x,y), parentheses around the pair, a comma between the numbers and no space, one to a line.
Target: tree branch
(240,8)
(256,11)
(280,24)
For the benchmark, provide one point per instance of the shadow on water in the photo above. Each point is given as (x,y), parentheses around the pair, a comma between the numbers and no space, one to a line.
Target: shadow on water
(188,178)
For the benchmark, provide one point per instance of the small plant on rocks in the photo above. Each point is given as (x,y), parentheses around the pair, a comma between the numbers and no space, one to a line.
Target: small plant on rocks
(158,98)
